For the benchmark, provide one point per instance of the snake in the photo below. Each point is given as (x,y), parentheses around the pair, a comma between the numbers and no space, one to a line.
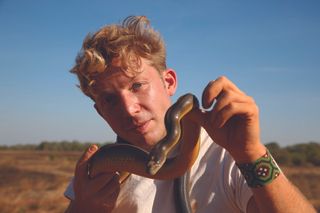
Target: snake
(182,137)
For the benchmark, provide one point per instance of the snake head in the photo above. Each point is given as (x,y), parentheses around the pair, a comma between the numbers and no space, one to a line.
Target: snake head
(156,161)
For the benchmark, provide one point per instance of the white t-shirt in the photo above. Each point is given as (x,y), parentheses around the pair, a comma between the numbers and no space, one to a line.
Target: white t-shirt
(216,185)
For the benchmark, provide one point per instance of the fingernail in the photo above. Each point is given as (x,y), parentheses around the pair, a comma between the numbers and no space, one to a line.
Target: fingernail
(93,148)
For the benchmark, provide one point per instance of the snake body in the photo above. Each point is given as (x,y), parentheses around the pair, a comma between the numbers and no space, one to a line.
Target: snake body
(132,159)
(126,158)
(174,127)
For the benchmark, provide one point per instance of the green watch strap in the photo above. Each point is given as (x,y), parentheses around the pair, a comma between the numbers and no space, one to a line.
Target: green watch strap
(261,172)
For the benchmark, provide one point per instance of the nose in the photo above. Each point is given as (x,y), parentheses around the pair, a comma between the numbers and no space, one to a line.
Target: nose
(130,104)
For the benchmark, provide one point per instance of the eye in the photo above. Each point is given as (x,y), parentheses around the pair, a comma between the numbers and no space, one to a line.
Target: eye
(136,86)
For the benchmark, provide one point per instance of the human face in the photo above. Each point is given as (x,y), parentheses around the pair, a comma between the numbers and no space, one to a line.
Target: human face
(135,106)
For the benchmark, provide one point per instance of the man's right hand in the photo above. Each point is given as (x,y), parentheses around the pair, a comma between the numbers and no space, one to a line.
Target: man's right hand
(98,194)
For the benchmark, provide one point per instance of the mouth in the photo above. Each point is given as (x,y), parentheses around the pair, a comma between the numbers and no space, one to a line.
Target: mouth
(140,127)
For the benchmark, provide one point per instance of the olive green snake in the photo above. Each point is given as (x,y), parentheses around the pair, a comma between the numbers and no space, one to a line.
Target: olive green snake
(182,135)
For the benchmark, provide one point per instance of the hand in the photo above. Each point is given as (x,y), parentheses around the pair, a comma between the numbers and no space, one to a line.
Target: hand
(233,121)
(97,194)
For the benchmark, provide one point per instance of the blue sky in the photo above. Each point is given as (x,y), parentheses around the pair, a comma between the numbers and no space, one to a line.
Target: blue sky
(270,49)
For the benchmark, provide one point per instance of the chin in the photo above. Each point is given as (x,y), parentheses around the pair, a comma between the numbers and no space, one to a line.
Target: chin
(147,142)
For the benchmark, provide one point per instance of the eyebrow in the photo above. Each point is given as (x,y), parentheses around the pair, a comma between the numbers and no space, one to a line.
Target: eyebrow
(108,90)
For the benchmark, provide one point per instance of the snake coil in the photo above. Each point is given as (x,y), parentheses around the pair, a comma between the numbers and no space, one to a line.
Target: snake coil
(126,158)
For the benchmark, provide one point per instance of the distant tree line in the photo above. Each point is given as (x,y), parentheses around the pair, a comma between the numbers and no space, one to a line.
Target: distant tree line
(51,146)
(303,154)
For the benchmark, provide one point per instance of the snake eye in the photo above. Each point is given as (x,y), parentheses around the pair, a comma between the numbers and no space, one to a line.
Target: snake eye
(156,161)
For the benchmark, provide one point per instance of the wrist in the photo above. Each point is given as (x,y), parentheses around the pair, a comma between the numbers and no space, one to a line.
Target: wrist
(250,154)
(260,172)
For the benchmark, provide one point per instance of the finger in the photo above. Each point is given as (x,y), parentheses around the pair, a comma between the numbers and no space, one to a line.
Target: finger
(229,97)
(81,167)
(210,93)
(215,88)
(99,182)
(243,110)
(110,187)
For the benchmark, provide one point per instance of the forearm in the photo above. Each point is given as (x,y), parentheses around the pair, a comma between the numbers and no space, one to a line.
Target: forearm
(279,196)
(233,123)
(272,191)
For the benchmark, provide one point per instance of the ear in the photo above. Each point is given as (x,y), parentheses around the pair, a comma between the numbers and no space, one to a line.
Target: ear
(170,81)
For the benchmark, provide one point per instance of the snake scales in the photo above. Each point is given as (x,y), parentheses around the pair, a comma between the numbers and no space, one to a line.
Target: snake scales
(181,133)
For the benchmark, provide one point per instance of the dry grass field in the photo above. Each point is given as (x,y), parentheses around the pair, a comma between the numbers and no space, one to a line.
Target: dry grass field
(34,181)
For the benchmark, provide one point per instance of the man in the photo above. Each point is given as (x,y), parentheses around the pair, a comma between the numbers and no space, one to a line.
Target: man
(122,68)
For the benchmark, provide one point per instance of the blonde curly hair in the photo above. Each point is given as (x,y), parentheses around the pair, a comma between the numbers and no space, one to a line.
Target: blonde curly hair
(124,44)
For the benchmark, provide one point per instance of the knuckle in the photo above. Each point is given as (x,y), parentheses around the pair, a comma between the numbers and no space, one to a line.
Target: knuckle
(253,103)
(232,106)
(254,109)
(250,99)
(222,79)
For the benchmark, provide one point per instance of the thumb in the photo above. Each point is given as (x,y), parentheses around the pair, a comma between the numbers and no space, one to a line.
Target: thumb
(82,162)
